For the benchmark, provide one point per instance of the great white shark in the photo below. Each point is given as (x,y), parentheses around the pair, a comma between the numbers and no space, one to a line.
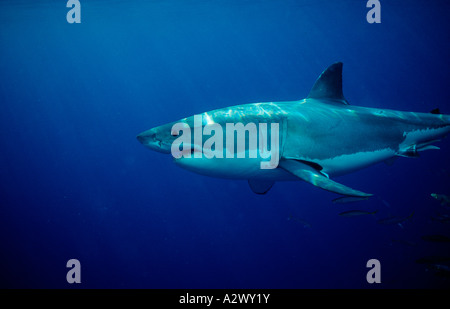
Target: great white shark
(320,137)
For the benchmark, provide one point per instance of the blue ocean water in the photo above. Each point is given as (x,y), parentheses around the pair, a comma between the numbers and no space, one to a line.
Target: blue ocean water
(76,184)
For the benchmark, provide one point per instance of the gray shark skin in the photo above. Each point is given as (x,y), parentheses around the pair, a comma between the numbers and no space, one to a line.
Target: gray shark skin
(320,137)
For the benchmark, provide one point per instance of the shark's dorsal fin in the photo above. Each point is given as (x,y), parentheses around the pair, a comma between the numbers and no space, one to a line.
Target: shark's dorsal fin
(329,85)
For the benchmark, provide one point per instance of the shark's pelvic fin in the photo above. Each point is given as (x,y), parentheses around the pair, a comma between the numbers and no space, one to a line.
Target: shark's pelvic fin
(412,151)
(329,85)
(260,186)
(309,174)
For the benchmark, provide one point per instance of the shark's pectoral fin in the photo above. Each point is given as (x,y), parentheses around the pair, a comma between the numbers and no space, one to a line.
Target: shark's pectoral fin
(311,175)
(260,186)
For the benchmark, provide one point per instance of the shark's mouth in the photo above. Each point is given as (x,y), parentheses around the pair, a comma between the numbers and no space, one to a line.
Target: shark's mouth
(190,151)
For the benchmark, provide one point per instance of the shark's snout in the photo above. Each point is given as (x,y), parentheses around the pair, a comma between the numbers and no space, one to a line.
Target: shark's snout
(151,140)
(141,138)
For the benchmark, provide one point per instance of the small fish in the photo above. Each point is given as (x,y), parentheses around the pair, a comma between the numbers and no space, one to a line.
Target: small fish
(436,238)
(441,270)
(386,203)
(395,220)
(352,213)
(349,199)
(444,199)
(443,218)
(442,267)
(302,222)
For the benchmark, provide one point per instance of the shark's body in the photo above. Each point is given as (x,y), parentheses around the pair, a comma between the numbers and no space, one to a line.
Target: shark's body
(320,137)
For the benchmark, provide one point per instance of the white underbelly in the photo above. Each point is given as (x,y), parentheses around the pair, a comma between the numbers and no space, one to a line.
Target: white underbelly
(233,168)
(351,162)
(247,168)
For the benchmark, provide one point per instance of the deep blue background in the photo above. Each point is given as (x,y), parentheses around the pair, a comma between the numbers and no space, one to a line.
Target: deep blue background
(75,183)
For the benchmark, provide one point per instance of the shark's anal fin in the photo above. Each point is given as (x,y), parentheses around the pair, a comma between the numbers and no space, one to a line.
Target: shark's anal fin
(260,186)
(312,176)
(329,85)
